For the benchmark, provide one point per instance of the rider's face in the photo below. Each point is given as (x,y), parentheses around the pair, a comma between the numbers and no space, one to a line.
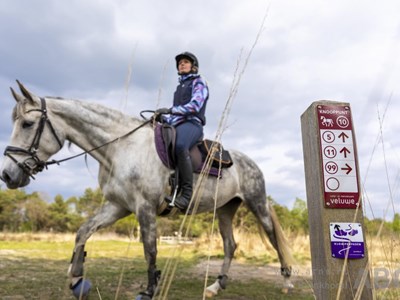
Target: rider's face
(184,66)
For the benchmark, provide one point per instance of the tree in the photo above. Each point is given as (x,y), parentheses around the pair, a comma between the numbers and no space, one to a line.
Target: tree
(76,219)
(59,217)
(90,202)
(36,214)
(11,209)
(127,226)
(375,226)
(299,215)
(245,220)
(396,223)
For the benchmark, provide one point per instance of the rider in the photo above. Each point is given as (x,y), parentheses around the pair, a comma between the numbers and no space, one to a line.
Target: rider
(187,115)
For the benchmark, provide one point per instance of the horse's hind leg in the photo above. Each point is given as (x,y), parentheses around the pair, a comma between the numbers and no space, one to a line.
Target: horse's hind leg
(225,217)
(268,220)
(108,214)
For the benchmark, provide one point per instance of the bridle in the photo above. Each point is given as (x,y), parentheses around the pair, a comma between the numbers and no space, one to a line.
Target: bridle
(39,164)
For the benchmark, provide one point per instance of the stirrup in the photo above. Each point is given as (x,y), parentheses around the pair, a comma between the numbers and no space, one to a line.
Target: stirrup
(171,199)
(164,209)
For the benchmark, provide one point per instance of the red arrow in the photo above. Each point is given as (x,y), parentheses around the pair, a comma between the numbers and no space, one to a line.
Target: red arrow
(343,136)
(348,169)
(345,151)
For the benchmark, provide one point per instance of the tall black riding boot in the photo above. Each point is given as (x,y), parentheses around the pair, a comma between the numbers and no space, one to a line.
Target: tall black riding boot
(185,180)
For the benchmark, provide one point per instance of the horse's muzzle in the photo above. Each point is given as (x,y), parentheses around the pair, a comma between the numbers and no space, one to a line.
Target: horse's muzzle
(14,182)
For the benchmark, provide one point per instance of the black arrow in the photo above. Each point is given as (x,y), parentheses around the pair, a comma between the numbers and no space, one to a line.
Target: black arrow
(345,151)
(348,169)
(337,227)
(343,136)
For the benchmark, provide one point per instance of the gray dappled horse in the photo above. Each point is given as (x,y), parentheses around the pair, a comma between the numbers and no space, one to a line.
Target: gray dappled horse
(132,177)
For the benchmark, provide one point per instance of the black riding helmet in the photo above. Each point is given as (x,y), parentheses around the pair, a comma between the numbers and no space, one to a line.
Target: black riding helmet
(190,56)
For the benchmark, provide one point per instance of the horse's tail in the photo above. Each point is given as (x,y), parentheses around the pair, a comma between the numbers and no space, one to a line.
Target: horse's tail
(283,244)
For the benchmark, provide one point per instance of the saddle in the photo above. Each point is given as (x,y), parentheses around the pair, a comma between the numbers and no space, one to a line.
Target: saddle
(165,136)
(200,154)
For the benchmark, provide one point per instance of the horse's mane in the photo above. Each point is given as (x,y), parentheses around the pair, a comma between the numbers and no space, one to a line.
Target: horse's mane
(99,108)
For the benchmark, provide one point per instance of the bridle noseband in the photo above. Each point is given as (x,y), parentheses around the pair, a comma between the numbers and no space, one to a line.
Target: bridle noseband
(39,164)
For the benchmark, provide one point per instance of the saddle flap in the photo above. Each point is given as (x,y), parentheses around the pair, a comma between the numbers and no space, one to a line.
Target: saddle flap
(220,157)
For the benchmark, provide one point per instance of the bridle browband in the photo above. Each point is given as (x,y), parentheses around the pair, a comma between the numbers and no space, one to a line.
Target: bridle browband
(32,151)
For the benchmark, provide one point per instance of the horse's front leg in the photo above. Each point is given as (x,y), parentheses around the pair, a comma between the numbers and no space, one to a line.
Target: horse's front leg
(107,215)
(148,230)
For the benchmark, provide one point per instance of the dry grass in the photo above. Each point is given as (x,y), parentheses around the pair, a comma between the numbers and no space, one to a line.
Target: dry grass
(252,248)
(42,261)
(383,252)
(54,237)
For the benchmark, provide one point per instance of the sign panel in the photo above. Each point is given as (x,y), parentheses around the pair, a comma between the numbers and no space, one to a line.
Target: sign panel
(341,185)
(347,239)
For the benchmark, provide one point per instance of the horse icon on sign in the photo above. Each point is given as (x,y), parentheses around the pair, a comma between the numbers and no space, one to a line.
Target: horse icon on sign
(326,122)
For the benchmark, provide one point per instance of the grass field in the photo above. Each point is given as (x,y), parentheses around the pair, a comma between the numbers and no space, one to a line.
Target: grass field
(34,266)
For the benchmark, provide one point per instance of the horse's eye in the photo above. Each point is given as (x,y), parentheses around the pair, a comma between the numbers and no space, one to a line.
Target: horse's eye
(27,124)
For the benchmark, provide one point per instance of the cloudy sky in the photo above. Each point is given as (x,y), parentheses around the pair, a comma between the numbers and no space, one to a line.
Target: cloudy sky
(308,50)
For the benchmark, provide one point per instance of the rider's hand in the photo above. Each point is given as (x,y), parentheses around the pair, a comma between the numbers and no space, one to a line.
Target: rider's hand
(163,111)
(160,112)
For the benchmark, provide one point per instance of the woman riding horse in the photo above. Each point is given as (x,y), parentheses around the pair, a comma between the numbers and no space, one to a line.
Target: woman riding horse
(41,126)
(187,115)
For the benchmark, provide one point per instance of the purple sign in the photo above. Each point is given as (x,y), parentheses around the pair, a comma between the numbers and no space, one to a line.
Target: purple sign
(347,239)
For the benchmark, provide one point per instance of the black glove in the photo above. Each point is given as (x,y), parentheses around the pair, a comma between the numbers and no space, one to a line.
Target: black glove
(163,111)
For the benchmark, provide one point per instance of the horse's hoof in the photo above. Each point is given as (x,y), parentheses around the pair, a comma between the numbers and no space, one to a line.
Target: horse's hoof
(212,290)
(143,297)
(81,289)
(210,294)
(287,288)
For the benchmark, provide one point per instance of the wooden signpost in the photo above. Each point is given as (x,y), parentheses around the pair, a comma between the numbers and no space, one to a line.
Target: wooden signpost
(338,250)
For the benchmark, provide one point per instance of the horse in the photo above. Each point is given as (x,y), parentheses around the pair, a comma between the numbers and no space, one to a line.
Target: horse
(326,121)
(132,178)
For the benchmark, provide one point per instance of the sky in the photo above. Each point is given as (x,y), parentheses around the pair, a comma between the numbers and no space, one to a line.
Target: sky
(120,53)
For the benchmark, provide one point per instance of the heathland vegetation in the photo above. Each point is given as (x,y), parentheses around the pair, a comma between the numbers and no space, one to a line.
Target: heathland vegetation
(23,212)
(40,234)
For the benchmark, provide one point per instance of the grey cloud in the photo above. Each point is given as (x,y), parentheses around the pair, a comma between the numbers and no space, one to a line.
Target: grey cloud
(307,51)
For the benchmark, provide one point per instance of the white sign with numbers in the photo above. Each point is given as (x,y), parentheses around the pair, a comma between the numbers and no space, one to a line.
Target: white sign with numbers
(338,157)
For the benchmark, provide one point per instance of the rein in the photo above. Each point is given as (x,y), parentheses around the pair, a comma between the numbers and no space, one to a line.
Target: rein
(39,164)
(98,147)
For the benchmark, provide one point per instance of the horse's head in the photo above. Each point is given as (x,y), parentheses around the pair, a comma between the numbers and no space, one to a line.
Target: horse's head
(33,140)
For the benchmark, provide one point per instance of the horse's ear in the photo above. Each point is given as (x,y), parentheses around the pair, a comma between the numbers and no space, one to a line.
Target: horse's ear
(31,97)
(16,96)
